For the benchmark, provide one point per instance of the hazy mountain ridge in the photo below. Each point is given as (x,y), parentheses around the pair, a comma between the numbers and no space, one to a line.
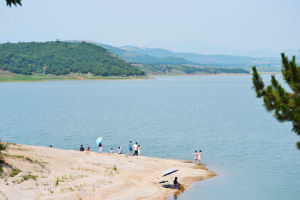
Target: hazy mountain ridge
(134,56)
(162,56)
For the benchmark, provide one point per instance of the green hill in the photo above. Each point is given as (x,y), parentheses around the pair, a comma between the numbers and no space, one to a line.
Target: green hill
(61,58)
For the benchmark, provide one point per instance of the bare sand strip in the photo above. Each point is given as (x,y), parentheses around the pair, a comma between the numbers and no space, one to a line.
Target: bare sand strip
(49,173)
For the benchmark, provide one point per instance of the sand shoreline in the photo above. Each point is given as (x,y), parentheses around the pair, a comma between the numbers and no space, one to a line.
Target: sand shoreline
(49,173)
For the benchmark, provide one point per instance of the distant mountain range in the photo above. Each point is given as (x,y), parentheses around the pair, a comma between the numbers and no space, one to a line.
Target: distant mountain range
(205,48)
(139,55)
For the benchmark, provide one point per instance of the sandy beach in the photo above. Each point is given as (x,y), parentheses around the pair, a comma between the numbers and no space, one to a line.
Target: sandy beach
(49,173)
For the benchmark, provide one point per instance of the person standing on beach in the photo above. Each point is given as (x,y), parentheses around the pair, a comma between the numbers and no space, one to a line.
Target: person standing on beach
(199,156)
(111,150)
(130,148)
(196,156)
(100,148)
(139,150)
(81,148)
(135,148)
(88,149)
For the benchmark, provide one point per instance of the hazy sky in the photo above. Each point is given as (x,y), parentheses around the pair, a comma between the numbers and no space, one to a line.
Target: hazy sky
(181,25)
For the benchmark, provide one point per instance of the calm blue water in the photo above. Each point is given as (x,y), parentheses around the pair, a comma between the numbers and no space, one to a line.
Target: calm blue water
(253,154)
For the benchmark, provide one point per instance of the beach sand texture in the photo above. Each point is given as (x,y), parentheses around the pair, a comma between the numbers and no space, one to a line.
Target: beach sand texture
(49,173)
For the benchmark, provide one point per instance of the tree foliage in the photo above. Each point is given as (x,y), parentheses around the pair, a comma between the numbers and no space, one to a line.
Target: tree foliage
(185,69)
(286,105)
(61,58)
(2,148)
(13,2)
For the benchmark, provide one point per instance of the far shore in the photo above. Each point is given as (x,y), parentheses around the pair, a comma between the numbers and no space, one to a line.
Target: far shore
(11,77)
(6,76)
(36,172)
(220,74)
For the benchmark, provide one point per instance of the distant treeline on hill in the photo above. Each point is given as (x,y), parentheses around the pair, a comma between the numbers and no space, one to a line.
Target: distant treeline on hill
(61,58)
(183,69)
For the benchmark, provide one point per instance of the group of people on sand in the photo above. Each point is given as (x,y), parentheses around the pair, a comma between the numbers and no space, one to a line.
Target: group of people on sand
(112,150)
(198,156)
(133,149)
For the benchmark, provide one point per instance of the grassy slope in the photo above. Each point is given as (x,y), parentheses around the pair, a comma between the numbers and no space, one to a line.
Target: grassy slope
(12,77)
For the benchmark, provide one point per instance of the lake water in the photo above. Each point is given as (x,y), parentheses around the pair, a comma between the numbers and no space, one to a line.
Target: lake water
(253,154)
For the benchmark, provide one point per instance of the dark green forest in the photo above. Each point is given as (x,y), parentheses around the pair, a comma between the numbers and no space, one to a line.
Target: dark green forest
(62,58)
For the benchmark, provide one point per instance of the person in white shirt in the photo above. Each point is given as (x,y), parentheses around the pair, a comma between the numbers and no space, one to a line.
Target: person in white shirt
(196,156)
(119,150)
(100,148)
(111,150)
(199,156)
(135,148)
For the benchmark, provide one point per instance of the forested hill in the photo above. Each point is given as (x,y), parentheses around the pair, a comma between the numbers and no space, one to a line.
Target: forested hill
(61,58)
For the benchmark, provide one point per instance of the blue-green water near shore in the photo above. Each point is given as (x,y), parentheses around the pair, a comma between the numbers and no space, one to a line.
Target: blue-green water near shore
(253,154)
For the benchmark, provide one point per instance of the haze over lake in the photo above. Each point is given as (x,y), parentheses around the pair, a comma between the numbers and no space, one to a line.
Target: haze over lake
(253,154)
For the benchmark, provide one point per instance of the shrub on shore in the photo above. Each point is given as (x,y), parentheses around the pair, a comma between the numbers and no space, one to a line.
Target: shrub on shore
(2,148)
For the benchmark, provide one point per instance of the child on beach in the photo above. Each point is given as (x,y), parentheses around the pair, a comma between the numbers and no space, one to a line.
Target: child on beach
(139,150)
(88,149)
(199,156)
(196,156)
(111,150)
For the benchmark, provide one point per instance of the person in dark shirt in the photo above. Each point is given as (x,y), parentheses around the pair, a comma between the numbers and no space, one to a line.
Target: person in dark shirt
(176,182)
(81,148)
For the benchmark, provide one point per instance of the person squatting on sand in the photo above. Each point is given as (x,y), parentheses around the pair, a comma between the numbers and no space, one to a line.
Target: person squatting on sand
(176,182)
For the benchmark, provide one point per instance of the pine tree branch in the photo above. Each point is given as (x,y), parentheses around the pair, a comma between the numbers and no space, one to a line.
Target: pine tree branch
(258,83)
(13,2)
(286,106)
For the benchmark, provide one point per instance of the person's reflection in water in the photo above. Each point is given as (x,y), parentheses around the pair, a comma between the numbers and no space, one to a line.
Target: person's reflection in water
(176,194)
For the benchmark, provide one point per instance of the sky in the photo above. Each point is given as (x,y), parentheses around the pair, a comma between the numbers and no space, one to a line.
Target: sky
(242,27)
